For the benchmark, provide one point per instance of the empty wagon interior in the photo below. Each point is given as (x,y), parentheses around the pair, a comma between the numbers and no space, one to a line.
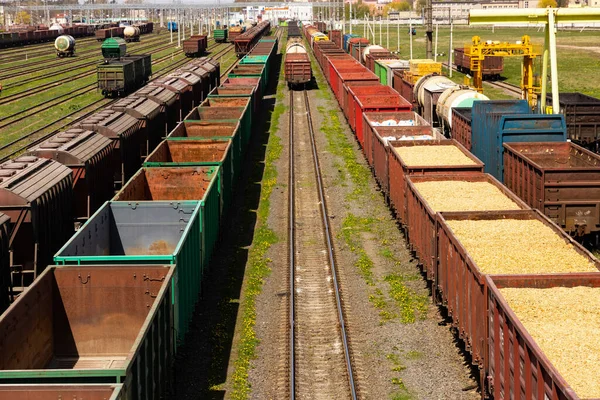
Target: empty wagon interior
(79,318)
(205,129)
(557,155)
(175,183)
(54,392)
(128,229)
(190,151)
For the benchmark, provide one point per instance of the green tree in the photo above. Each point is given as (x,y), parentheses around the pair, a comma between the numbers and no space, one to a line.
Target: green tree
(23,17)
(359,10)
(396,6)
(547,3)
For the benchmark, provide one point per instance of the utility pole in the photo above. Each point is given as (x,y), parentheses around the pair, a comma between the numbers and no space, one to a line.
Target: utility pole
(350,16)
(429,21)
(450,52)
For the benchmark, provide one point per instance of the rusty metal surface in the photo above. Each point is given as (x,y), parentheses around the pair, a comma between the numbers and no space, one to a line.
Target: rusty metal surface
(128,134)
(168,183)
(126,322)
(205,129)
(37,195)
(461,126)
(61,392)
(561,179)
(190,151)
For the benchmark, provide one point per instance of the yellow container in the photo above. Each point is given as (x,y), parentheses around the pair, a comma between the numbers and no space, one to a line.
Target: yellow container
(425,67)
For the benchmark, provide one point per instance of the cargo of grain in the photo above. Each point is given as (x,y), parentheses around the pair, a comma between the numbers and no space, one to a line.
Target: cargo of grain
(511,246)
(564,323)
(433,155)
(453,195)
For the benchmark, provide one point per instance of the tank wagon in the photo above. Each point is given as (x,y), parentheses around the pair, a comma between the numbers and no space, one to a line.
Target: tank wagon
(132,34)
(65,46)
(298,70)
(492,66)
(246,41)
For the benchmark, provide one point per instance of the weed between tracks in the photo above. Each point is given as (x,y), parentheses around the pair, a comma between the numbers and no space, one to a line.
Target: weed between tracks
(258,263)
(390,294)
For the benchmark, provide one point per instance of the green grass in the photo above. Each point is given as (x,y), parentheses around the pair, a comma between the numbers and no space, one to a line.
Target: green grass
(412,305)
(401,392)
(574,65)
(258,269)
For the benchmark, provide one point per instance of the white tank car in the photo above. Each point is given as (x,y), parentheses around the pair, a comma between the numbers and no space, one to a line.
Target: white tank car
(132,34)
(65,46)
(57,27)
(295,46)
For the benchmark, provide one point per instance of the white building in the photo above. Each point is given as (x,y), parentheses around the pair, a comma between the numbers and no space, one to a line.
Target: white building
(293,11)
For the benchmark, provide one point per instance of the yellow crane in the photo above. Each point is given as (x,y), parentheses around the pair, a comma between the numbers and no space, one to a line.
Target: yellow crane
(523,48)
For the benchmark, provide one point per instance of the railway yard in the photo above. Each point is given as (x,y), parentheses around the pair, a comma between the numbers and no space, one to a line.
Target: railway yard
(290,211)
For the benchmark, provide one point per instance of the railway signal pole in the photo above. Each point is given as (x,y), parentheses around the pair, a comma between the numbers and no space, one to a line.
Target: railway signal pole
(429,22)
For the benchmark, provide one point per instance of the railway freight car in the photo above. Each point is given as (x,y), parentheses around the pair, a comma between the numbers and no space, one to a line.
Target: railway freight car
(131,33)
(195,46)
(37,196)
(48,336)
(246,41)
(118,77)
(491,67)
(91,157)
(65,46)
(220,35)
(298,70)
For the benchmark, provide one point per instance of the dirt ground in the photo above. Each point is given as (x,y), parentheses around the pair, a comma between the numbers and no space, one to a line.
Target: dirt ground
(393,358)
(400,345)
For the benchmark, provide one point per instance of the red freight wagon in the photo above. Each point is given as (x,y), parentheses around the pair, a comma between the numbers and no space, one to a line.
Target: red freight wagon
(462,285)
(195,45)
(381,102)
(399,170)
(531,373)
(561,179)
(421,218)
(405,124)
(297,69)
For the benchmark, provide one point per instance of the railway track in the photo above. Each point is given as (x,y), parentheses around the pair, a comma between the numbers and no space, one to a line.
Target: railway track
(507,87)
(11,54)
(42,65)
(60,81)
(37,136)
(22,114)
(320,361)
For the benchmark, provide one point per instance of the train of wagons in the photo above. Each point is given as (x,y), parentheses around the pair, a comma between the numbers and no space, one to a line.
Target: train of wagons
(109,318)
(487,202)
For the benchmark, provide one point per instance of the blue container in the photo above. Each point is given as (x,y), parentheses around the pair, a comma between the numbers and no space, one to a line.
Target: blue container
(485,118)
(509,128)
(347,37)
(172,26)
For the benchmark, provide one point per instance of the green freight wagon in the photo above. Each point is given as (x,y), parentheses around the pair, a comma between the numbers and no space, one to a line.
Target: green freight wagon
(192,153)
(258,60)
(233,107)
(100,324)
(220,35)
(202,183)
(204,130)
(114,48)
(115,78)
(157,232)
